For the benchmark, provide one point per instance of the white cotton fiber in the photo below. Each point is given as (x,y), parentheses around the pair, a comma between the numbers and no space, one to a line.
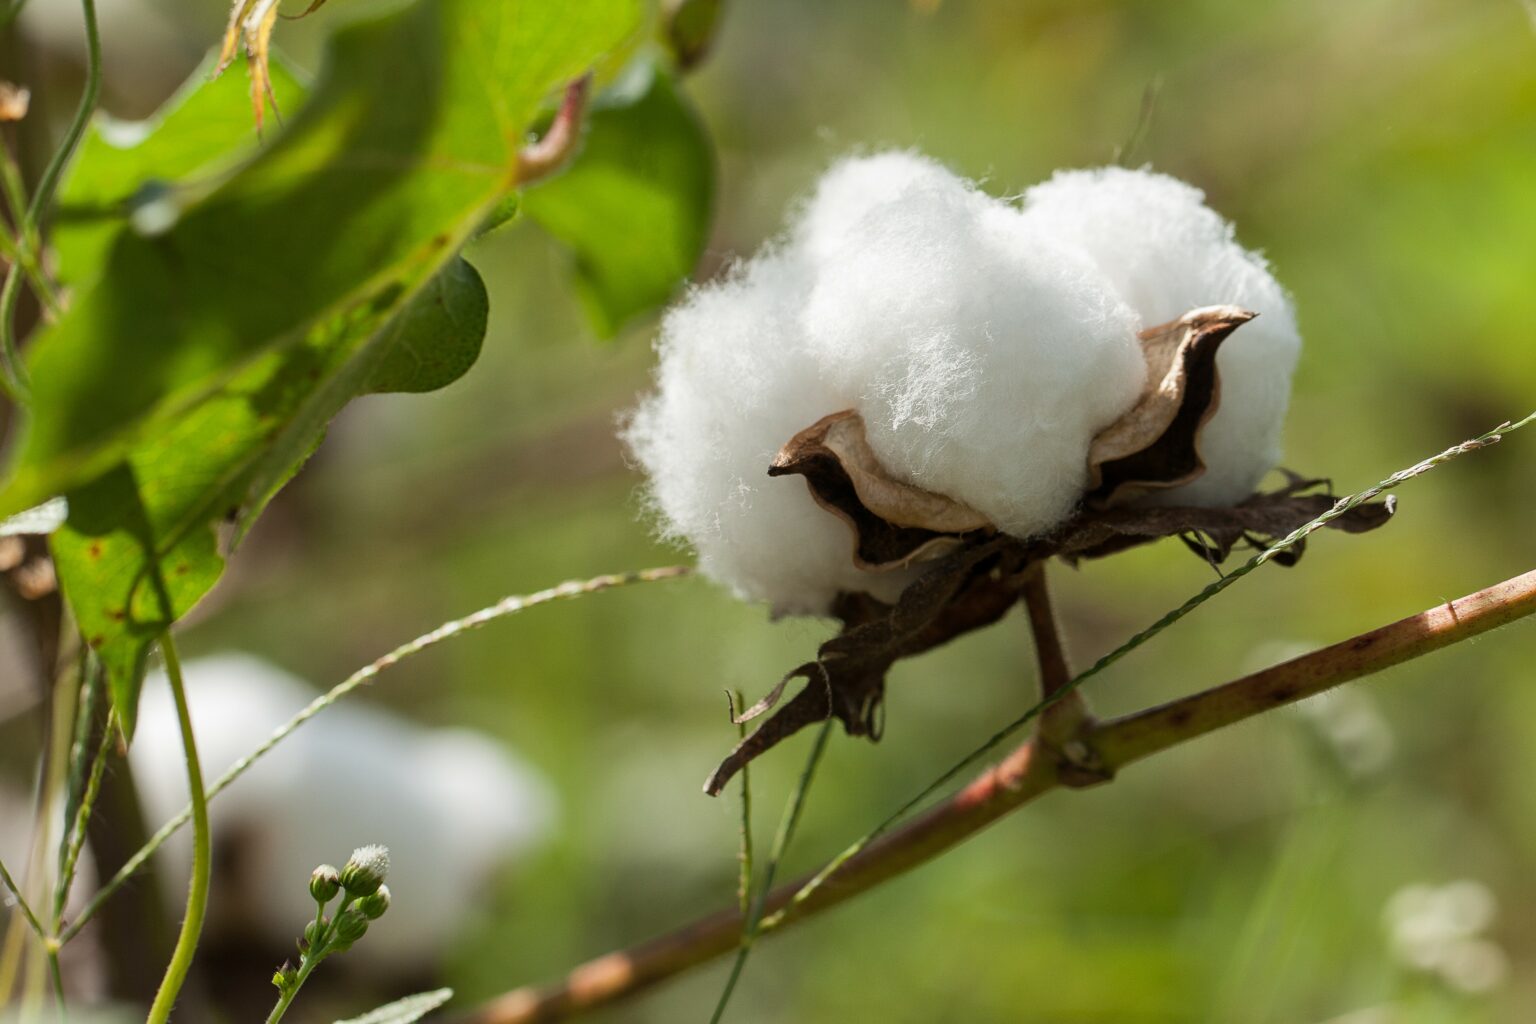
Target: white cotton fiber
(984,347)
(735,382)
(982,356)
(1166,252)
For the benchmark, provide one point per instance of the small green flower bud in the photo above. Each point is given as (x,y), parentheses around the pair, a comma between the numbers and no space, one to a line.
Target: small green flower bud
(285,977)
(373,907)
(350,926)
(365,870)
(313,933)
(324,883)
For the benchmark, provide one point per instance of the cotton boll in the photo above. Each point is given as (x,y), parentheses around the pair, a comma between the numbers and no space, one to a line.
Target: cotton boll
(735,383)
(1166,252)
(983,356)
(451,806)
(851,189)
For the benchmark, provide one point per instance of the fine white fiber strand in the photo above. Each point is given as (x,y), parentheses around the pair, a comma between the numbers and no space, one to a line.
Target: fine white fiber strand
(1166,252)
(983,345)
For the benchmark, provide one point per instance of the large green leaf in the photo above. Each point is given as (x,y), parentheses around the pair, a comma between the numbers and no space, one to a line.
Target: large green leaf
(124,167)
(193,378)
(635,204)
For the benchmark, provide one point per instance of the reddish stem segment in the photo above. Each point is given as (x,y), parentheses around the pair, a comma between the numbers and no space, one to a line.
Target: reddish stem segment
(1017,780)
(1062,723)
(542,158)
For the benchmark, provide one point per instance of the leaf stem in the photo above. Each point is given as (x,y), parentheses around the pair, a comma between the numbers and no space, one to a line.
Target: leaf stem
(197,893)
(14,376)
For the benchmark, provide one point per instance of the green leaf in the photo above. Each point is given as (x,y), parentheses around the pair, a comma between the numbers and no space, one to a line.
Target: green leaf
(190,382)
(199,135)
(635,204)
(404,1011)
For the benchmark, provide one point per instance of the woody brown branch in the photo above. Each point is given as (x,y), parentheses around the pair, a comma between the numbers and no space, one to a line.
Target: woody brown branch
(1016,780)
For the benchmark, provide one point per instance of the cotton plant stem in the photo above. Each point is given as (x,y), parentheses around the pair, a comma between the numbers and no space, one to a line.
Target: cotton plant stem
(1061,722)
(1020,778)
(506,606)
(197,890)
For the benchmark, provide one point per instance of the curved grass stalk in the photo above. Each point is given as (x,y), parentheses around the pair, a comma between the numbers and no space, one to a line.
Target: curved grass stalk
(506,606)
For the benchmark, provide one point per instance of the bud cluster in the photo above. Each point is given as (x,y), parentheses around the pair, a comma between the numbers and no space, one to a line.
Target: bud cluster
(363,898)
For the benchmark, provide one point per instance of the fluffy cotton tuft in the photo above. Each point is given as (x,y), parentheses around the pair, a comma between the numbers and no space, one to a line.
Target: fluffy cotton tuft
(1165,252)
(983,346)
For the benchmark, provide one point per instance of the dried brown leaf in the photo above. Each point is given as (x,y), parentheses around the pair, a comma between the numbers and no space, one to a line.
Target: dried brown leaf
(971,588)
(1156,444)
(976,584)
(895,523)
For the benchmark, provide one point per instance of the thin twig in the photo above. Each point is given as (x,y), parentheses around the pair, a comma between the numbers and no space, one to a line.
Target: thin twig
(1018,779)
(744,856)
(506,606)
(542,158)
(1060,724)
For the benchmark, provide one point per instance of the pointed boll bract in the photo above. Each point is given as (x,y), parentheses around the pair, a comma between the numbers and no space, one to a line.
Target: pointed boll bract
(1165,252)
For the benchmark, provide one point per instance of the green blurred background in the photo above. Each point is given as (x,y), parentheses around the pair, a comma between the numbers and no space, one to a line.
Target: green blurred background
(1383,155)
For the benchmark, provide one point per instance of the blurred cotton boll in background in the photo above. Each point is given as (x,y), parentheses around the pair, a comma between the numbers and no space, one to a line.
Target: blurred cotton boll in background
(451,805)
(1438,930)
(1349,722)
